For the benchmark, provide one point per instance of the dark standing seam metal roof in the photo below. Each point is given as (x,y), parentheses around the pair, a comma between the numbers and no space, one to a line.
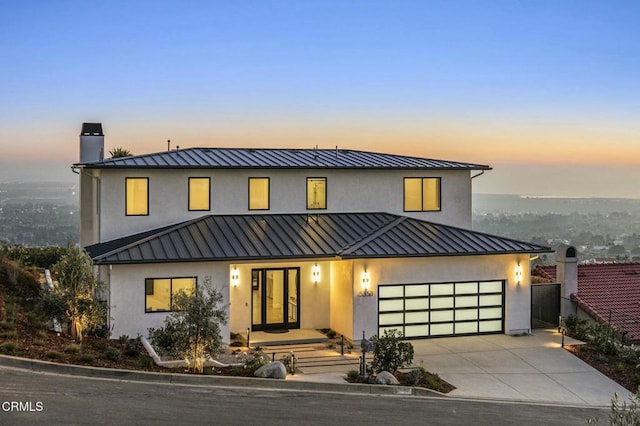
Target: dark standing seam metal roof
(267,158)
(297,236)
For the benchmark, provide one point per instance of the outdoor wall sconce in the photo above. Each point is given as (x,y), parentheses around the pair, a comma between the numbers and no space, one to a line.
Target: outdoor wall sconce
(518,273)
(366,283)
(315,274)
(235,277)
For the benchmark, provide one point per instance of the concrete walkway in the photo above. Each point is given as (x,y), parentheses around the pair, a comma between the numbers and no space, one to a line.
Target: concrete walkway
(531,368)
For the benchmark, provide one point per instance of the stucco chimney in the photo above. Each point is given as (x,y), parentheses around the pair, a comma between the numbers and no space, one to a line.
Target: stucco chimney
(91,143)
(567,274)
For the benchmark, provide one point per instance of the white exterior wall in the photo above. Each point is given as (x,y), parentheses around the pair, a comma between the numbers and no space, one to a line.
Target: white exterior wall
(347,191)
(342,297)
(438,270)
(127,293)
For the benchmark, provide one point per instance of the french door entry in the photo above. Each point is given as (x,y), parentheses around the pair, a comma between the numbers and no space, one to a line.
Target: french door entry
(275,299)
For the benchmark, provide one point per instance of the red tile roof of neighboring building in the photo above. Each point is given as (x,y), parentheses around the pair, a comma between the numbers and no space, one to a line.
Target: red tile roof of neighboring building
(608,291)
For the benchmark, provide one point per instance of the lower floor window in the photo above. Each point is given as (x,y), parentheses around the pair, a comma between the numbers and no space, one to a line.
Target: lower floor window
(159,292)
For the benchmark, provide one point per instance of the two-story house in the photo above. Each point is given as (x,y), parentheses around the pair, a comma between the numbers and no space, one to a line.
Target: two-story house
(299,238)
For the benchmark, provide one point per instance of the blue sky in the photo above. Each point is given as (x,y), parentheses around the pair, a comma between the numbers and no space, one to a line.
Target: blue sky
(545,91)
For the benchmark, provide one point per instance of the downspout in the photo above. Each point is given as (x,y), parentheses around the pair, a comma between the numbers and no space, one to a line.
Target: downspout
(478,175)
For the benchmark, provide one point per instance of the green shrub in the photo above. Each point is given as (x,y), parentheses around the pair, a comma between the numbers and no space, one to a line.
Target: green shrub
(9,334)
(39,342)
(623,414)
(72,348)
(4,325)
(577,327)
(123,339)
(604,337)
(53,355)
(353,375)
(390,353)
(331,334)
(144,362)
(112,354)
(415,376)
(254,361)
(133,348)
(8,348)
(432,382)
(86,358)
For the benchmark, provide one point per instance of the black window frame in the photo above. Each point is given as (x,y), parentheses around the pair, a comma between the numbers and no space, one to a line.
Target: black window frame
(326,192)
(268,192)
(422,178)
(149,290)
(189,194)
(126,197)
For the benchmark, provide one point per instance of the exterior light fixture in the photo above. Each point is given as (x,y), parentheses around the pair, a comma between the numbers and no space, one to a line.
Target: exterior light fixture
(366,285)
(315,274)
(235,277)
(519,273)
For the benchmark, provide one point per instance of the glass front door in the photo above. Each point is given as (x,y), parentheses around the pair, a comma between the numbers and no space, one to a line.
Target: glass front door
(275,295)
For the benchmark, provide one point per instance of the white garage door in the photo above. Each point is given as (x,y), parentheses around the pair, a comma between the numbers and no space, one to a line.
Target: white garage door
(443,309)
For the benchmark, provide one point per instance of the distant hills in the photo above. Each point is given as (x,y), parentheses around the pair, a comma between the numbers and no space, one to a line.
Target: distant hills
(518,204)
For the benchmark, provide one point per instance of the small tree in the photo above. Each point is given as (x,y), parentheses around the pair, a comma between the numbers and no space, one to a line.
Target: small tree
(75,295)
(119,152)
(192,331)
(390,353)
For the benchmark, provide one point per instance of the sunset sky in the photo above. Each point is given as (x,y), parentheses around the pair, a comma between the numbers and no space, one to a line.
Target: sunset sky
(546,92)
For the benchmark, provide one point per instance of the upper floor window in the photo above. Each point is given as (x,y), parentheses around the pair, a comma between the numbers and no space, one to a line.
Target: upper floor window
(199,193)
(421,194)
(159,292)
(316,193)
(137,196)
(259,193)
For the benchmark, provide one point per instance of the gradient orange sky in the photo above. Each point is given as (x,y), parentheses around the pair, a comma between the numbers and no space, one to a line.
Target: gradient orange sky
(547,93)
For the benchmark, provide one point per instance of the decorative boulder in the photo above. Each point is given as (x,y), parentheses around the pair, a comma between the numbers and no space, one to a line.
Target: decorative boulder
(273,370)
(386,378)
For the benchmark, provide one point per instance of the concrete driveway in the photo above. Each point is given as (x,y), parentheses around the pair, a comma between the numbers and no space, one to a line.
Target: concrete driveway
(531,368)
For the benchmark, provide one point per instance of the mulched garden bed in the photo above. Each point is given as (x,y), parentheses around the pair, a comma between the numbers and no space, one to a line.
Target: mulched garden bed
(428,381)
(624,373)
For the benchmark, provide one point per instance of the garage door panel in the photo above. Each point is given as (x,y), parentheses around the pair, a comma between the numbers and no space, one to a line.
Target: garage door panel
(414,317)
(441,302)
(441,329)
(466,301)
(416,330)
(386,319)
(490,313)
(466,314)
(441,316)
(441,289)
(391,305)
(442,309)
(413,304)
(466,327)
(416,290)
(491,300)
(489,326)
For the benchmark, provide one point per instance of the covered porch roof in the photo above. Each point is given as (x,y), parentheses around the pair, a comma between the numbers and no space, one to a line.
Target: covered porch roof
(296,236)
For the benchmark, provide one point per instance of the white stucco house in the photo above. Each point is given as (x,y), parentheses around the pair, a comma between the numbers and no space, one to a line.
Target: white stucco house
(299,238)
